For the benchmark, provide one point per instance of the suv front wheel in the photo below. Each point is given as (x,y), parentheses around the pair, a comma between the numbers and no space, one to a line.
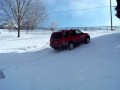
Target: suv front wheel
(87,40)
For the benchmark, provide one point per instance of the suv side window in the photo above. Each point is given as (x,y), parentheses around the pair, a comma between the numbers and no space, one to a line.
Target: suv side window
(72,33)
(66,34)
(57,35)
(78,32)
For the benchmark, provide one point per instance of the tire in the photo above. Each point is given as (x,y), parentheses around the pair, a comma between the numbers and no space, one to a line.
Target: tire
(87,40)
(71,46)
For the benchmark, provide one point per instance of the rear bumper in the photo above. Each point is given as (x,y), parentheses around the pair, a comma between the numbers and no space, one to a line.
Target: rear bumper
(56,46)
(59,46)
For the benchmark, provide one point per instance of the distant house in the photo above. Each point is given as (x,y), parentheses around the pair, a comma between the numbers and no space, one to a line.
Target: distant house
(8,26)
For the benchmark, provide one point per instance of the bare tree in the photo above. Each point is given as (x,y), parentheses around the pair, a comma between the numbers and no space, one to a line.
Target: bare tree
(35,15)
(23,12)
(53,26)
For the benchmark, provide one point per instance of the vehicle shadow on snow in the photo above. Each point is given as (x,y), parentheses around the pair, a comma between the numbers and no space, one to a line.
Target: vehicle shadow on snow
(2,76)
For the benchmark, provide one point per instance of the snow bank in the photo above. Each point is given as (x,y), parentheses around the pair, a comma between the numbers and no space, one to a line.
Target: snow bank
(32,41)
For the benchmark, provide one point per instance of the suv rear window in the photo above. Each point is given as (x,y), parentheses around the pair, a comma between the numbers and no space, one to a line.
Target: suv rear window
(56,35)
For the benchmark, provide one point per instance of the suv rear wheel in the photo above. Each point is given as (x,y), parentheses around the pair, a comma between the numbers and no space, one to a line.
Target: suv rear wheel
(71,46)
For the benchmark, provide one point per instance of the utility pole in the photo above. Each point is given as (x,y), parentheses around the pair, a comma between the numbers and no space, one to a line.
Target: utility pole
(111,15)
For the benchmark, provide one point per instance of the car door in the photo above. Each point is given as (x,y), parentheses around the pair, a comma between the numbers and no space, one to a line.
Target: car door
(66,37)
(80,35)
(74,37)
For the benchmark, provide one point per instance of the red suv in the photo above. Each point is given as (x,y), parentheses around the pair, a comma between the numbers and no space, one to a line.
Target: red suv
(68,39)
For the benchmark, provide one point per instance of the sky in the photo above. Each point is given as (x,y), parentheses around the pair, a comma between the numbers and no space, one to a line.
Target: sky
(80,18)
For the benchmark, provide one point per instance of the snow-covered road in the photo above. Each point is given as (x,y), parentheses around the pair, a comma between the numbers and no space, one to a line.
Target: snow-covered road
(94,66)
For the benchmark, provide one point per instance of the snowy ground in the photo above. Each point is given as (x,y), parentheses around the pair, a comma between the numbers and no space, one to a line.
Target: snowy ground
(29,63)
(27,42)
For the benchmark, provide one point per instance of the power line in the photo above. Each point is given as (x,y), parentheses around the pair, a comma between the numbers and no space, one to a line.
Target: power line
(78,10)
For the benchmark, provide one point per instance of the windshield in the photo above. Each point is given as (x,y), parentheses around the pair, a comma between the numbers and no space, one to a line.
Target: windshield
(56,35)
